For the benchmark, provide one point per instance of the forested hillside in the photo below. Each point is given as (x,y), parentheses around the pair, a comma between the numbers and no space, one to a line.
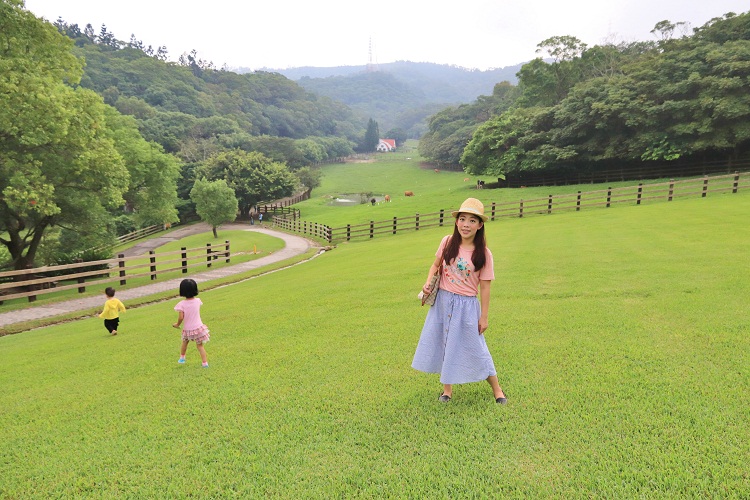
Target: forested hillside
(401,94)
(193,109)
(678,99)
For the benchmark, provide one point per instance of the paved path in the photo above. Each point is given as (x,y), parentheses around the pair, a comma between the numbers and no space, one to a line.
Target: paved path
(295,245)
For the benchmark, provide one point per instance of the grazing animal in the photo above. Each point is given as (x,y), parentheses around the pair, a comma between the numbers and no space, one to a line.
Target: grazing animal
(408,193)
(372,201)
(466,179)
(436,170)
(387,198)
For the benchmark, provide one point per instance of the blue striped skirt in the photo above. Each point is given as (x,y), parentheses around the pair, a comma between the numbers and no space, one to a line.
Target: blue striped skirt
(450,343)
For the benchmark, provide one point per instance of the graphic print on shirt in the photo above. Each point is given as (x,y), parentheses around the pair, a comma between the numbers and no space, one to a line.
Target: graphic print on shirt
(460,271)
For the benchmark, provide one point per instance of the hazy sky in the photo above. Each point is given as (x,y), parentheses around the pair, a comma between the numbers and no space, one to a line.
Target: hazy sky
(290,33)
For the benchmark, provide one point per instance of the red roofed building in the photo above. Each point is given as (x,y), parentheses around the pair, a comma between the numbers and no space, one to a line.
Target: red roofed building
(386,145)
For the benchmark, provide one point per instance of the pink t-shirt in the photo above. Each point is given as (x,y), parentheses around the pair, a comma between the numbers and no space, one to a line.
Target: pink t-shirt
(192,310)
(459,276)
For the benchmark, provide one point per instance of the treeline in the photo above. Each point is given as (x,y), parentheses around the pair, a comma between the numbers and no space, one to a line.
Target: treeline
(194,110)
(680,98)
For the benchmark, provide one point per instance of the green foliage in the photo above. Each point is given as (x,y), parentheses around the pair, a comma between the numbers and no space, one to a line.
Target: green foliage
(683,98)
(214,201)
(451,129)
(190,106)
(58,163)
(252,176)
(372,137)
(308,177)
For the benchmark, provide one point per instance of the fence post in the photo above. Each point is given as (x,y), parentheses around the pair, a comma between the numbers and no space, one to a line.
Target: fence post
(442,214)
(31,298)
(578,202)
(705,186)
(152,260)
(208,254)
(329,232)
(81,280)
(520,209)
(640,191)
(184,259)
(416,222)
(121,265)
(736,183)
(493,211)
(348,232)
(394,225)
(227,254)
(549,205)
(372,229)
(609,195)
(671,189)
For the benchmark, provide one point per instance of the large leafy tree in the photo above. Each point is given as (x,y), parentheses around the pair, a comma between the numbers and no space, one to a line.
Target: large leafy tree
(253,177)
(57,164)
(215,202)
(66,158)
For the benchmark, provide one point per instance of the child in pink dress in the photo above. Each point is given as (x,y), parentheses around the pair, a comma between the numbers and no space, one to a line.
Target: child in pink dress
(193,328)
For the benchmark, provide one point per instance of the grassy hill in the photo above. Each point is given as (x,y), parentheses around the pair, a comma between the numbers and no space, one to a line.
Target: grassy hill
(620,337)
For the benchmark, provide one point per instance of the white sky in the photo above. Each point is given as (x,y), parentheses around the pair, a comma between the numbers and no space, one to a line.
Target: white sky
(291,33)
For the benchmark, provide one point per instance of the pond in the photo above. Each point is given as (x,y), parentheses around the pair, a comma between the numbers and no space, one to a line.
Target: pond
(351,199)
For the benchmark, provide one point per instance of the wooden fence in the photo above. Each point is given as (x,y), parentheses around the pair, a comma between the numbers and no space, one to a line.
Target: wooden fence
(603,198)
(140,233)
(49,279)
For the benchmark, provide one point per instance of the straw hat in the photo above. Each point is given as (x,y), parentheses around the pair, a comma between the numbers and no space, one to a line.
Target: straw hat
(471,206)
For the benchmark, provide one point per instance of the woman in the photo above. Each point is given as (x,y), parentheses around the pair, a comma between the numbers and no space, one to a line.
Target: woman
(452,341)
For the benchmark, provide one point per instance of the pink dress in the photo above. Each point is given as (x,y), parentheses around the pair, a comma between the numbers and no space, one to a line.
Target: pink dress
(192,326)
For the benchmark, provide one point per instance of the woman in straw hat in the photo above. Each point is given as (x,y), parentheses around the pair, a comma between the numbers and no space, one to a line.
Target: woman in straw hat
(452,341)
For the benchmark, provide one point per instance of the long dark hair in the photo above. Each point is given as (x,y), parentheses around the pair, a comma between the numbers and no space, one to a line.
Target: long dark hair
(478,257)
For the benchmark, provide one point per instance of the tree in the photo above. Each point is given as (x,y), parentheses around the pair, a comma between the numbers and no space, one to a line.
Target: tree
(398,134)
(253,177)
(214,202)
(57,165)
(308,177)
(372,137)
(66,158)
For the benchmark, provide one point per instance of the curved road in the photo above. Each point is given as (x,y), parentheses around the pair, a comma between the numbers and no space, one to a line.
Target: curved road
(295,245)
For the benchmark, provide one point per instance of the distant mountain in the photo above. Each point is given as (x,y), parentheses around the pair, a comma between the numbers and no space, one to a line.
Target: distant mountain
(402,94)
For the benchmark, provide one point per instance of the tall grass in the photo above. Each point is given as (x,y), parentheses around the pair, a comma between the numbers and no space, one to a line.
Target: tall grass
(620,337)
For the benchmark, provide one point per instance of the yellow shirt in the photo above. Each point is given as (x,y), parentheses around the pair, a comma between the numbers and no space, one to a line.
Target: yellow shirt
(112,309)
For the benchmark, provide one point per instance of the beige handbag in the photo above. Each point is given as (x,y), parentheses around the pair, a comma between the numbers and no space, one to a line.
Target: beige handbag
(429,299)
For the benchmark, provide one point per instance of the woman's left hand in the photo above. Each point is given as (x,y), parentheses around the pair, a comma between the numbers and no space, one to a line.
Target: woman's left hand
(482,326)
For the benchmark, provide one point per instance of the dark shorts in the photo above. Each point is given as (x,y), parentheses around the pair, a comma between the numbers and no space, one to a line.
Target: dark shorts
(111,324)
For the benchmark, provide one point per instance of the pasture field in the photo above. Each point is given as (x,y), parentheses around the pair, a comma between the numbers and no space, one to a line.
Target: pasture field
(621,338)
(395,173)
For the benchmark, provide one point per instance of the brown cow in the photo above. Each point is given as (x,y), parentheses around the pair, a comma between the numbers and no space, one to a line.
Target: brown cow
(436,170)
(466,179)
(408,193)
(387,198)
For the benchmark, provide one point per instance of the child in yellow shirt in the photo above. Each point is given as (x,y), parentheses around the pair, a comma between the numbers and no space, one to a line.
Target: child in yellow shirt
(111,312)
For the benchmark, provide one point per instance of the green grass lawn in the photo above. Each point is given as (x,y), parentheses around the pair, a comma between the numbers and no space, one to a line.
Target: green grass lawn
(620,337)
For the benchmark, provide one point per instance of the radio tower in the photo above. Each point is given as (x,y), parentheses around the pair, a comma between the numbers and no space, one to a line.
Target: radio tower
(371,66)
